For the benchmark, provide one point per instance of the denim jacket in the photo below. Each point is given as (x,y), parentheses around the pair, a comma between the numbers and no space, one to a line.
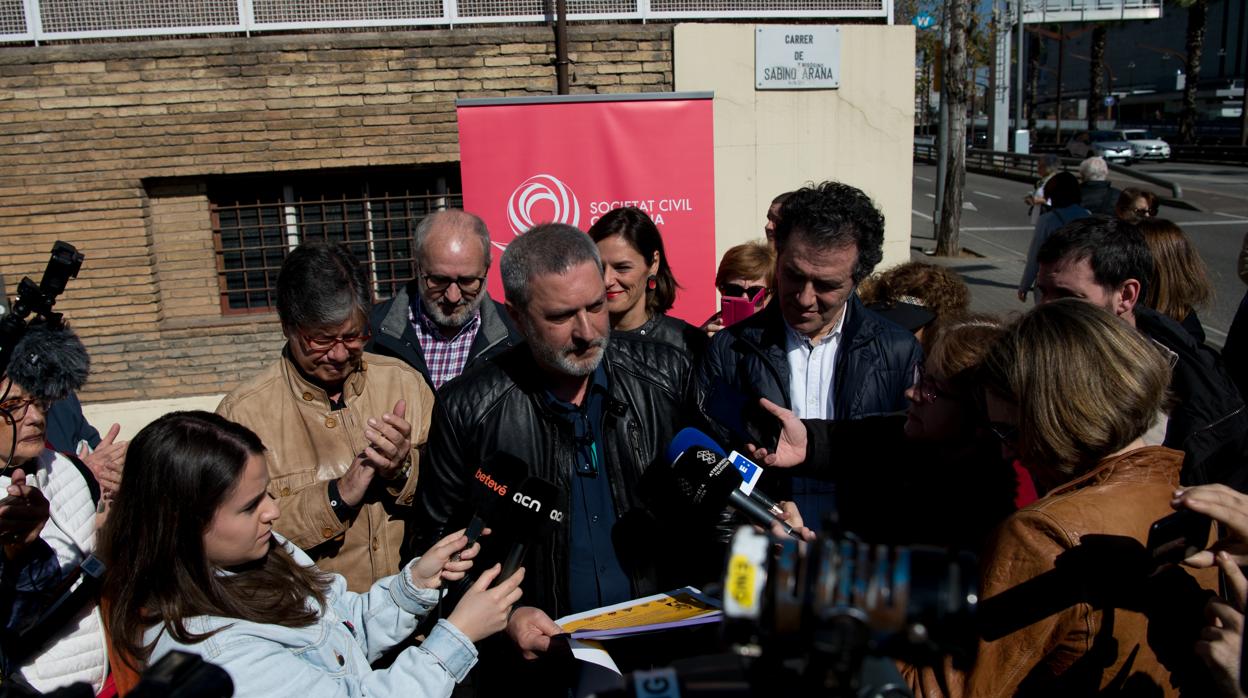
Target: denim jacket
(331,657)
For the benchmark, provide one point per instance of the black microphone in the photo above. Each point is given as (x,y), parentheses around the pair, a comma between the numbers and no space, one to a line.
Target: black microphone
(493,482)
(749,471)
(530,513)
(710,483)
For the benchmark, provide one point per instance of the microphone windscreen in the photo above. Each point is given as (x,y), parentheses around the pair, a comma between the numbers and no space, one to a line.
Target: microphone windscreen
(689,438)
(531,510)
(705,478)
(494,481)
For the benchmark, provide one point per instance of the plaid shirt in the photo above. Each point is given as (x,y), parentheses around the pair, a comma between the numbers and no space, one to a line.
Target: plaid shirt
(444,357)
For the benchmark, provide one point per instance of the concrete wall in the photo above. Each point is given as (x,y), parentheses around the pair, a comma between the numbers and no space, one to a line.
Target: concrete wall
(769,142)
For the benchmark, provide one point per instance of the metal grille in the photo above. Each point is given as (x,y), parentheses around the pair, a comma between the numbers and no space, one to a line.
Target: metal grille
(252,234)
(56,20)
(344,11)
(12,17)
(120,15)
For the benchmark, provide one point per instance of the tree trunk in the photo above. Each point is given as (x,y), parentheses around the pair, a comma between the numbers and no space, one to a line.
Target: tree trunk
(1096,93)
(1195,44)
(954,90)
(1033,82)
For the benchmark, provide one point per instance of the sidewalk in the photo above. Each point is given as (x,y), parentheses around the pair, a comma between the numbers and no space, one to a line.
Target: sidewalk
(992,275)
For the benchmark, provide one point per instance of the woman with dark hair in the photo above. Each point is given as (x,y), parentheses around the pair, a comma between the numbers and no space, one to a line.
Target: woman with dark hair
(640,285)
(1062,191)
(1180,282)
(195,566)
(1073,603)
(1135,205)
(944,482)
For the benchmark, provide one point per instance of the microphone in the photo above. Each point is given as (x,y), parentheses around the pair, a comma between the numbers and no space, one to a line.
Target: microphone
(495,478)
(749,470)
(706,479)
(530,513)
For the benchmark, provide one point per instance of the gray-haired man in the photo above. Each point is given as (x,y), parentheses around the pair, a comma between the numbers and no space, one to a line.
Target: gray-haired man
(444,320)
(588,414)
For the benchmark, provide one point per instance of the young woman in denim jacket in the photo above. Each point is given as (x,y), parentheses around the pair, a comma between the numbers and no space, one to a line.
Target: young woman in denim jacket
(194,566)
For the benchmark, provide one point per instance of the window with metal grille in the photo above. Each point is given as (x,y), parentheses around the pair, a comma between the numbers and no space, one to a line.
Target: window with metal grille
(255,222)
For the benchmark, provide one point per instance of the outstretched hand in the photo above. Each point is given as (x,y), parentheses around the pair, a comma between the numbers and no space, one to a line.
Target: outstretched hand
(484,611)
(1226,506)
(449,559)
(791,448)
(531,629)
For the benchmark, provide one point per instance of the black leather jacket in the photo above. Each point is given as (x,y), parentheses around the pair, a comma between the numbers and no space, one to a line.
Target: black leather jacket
(393,334)
(498,406)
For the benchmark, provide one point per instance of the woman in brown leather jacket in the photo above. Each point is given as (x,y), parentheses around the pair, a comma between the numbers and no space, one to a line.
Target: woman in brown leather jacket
(1072,602)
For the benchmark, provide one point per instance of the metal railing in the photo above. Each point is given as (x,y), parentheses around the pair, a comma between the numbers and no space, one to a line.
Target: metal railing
(40,21)
(1023,167)
(1042,11)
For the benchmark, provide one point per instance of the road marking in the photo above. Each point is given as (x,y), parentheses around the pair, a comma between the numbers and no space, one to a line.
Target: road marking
(1214,330)
(969,206)
(922,215)
(984,193)
(1187,224)
(924,179)
(999,227)
(1230,215)
(930,195)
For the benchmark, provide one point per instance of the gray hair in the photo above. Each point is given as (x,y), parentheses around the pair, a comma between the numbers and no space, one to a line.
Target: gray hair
(549,248)
(1094,169)
(320,285)
(450,218)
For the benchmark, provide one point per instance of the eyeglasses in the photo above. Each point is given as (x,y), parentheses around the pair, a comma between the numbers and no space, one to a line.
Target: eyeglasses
(323,344)
(15,408)
(925,387)
(1007,433)
(1144,212)
(754,293)
(468,285)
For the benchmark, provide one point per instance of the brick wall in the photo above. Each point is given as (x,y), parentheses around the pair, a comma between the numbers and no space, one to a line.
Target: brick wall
(107,146)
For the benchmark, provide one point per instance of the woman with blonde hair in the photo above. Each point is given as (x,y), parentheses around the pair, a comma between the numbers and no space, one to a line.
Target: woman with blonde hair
(1180,282)
(746,271)
(1073,603)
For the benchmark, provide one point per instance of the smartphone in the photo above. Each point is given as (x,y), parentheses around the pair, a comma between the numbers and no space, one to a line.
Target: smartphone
(1178,536)
(741,415)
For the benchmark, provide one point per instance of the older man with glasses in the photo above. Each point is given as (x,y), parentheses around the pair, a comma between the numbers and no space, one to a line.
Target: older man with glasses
(343,428)
(444,321)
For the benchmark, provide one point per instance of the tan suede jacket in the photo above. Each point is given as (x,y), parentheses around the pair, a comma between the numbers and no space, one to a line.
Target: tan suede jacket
(309,444)
(1069,607)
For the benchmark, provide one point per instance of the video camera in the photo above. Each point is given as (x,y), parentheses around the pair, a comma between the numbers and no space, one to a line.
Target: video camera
(64,264)
(822,619)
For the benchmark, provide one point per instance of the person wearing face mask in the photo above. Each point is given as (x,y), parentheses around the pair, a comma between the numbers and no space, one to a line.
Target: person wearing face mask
(344,428)
(937,462)
(48,521)
(196,566)
(640,285)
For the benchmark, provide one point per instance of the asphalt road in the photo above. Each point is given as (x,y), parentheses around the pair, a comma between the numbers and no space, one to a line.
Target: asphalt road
(996,229)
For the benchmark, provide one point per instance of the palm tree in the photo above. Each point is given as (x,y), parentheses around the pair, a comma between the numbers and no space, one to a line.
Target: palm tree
(1096,75)
(1196,12)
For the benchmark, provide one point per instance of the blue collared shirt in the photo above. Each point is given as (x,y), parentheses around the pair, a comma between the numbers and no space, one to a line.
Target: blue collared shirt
(595,576)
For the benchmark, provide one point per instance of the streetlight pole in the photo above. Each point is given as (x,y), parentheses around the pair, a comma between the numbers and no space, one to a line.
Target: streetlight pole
(1022,86)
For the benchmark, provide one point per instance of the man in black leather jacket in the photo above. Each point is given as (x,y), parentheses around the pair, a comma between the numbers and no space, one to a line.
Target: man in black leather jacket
(591,416)
(816,339)
(444,321)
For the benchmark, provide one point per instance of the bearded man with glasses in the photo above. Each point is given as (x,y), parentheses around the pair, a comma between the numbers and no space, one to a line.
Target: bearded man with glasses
(444,321)
(343,428)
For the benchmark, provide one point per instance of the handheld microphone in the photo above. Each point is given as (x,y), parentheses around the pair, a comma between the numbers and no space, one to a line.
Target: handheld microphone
(706,480)
(749,470)
(495,478)
(530,513)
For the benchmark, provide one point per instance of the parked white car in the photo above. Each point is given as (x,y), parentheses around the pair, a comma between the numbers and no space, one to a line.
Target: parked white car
(1106,144)
(1144,145)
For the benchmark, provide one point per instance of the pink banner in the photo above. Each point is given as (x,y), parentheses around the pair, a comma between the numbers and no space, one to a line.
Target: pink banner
(526,163)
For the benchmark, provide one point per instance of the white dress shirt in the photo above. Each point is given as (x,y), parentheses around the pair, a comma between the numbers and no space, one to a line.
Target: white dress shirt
(811,368)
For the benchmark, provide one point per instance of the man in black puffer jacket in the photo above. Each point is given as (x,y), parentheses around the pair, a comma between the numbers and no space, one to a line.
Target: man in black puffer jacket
(816,349)
(591,416)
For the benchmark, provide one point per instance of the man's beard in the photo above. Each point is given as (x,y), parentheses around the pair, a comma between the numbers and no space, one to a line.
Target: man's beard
(561,358)
(461,315)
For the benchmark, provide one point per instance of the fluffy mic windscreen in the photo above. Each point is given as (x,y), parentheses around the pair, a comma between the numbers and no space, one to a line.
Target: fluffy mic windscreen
(49,363)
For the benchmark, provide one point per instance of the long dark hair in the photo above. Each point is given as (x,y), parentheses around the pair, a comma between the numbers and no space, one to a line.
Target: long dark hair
(178,471)
(635,226)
